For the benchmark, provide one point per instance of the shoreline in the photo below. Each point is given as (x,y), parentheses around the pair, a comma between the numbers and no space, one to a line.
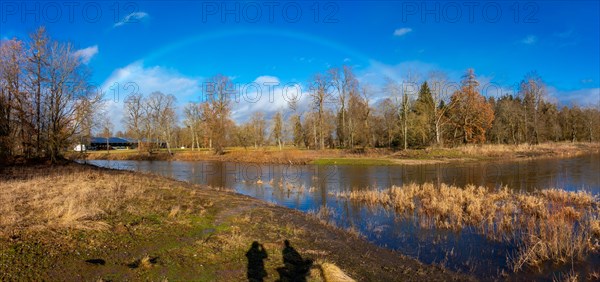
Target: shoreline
(268,155)
(110,224)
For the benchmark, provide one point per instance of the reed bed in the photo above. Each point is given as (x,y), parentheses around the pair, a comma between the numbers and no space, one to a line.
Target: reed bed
(527,150)
(549,225)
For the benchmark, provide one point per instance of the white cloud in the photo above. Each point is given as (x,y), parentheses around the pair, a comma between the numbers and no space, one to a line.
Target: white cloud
(267,79)
(267,94)
(581,97)
(132,18)
(402,31)
(377,73)
(529,40)
(135,77)
(86,54)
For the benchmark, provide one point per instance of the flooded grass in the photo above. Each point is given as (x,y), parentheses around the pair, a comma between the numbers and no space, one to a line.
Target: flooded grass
(547,226)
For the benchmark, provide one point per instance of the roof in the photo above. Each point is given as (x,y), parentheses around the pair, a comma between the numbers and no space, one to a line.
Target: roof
(119,140)
(111,140)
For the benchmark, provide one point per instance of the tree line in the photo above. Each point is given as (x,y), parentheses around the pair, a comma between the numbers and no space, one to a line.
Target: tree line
(343,114)
(47,105)
(46,100)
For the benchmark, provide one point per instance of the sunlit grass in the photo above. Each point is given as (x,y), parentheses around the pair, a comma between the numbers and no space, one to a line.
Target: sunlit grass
(360,156)
(78,197)
(550,225)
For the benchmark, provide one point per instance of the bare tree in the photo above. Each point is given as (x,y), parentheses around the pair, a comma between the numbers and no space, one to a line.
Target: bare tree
(258,124)
(11,78)
(441,90)
(68,93)
(36,67)
(344,83)
(366,97)
(161,109)
(47,90)
(193,118)
(107,131)
(319,93)
(401,93)
(134,116)
(357,118)
(217,109)
(533,92)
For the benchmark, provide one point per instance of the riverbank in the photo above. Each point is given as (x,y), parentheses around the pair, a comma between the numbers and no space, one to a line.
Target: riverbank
(273,155)
(77,222)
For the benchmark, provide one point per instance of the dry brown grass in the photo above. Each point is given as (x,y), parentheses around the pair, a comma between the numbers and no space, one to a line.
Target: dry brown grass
(527,150)
(328,272)
(367,156)
(551,225)
(72,197)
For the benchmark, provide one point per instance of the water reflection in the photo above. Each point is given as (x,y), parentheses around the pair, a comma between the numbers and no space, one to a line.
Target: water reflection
(310,187)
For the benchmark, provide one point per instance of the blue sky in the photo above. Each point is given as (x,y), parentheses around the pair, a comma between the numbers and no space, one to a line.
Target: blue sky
(173,46)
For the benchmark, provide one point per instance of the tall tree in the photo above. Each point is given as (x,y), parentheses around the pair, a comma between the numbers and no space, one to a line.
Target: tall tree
(277,131)
(36,68)
(68,92)
(440,92)
(162,116)
(217,109)
(470,114)
(533,92)
(320,95)
(298,134)
(107,131)
(258,123)
(389,116)
(11,95)
(424,109)
(134,116)
(345,83)
(357,119)
(507,120)
(193,119)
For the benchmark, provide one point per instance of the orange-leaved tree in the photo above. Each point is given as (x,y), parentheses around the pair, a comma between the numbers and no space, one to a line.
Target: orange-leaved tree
(470,114)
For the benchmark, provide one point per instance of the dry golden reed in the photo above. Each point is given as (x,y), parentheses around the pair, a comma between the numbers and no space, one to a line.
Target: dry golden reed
(550,225)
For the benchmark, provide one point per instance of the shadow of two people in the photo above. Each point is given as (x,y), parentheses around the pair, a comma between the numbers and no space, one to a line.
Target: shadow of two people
(295,268)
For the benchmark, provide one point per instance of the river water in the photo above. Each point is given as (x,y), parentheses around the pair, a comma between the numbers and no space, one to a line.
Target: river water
(309,188)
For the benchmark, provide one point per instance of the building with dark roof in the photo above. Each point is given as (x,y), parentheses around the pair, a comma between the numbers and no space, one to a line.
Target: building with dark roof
(101,143)
(116,143)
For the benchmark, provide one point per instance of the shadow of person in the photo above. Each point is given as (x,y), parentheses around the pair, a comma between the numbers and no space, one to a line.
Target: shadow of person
(256,265)
(295,268)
